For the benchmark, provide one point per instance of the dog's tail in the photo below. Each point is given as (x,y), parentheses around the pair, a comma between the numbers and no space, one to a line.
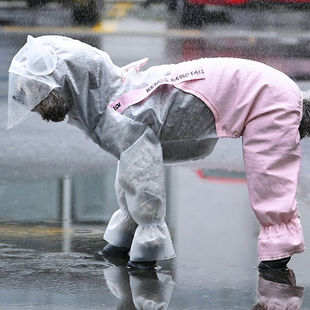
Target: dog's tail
(304,127)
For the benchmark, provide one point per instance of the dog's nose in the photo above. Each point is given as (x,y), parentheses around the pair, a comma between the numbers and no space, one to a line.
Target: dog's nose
(19,98)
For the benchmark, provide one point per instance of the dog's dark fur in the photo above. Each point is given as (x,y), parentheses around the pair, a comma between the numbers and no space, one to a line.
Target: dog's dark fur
(53,108)
(304,127)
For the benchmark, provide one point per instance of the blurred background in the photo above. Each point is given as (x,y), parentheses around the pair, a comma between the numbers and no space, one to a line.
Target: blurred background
(57,187)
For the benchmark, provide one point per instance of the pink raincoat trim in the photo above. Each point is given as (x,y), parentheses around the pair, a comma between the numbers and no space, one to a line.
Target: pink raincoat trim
(137,95)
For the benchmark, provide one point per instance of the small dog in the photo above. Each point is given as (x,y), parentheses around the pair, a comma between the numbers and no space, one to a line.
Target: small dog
(172,113)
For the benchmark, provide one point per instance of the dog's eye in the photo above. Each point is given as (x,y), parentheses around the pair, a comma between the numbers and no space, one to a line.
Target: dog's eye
(19,96)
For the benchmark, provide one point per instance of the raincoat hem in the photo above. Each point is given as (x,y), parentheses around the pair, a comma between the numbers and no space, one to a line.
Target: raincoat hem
(263,258)
(275,231)
(120,230)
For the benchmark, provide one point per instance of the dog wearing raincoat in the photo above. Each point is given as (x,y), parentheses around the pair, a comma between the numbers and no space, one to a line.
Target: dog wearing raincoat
(166,114)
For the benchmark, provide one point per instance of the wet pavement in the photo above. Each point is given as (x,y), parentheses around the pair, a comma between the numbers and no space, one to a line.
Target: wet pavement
(56,186)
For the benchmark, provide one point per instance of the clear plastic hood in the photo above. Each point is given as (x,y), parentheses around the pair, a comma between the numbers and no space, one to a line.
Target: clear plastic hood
(26,79)
(79,73)
(24,94)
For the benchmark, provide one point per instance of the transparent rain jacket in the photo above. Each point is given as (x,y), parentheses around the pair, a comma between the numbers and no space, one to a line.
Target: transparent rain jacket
(168,125)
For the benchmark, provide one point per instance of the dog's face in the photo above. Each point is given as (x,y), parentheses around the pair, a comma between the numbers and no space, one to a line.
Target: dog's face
(29,94)
(29,91)
(53,108)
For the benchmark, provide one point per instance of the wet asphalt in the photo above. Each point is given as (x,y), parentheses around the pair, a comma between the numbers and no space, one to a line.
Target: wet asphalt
(47,240)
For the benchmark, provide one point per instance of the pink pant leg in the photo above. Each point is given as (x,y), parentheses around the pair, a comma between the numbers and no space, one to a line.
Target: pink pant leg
(272,157)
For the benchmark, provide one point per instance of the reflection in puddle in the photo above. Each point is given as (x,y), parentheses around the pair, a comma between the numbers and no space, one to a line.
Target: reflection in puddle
(139,290)
(77,281)
(278,296)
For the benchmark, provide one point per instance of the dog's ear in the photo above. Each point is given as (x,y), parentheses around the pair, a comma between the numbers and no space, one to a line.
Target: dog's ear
(40,59)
